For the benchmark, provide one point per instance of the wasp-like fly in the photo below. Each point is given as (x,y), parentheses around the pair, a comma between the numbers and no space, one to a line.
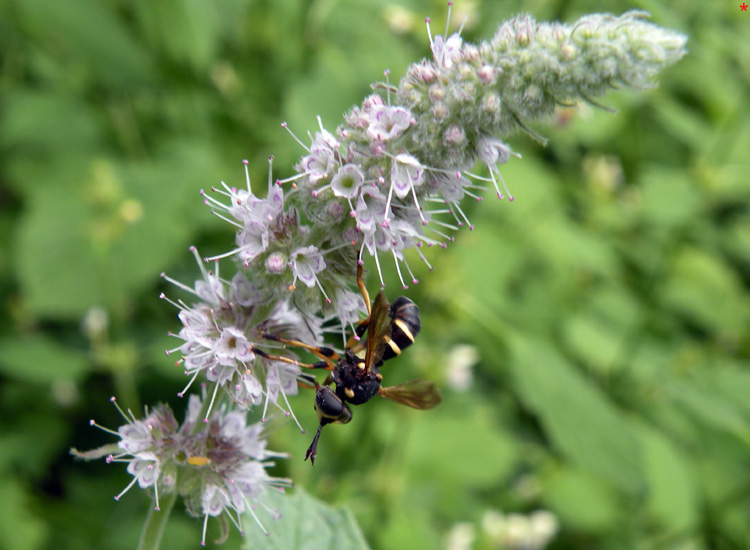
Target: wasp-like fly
(387,330)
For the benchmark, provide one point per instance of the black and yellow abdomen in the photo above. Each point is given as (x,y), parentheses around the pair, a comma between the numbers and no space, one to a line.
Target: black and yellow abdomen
(405,326)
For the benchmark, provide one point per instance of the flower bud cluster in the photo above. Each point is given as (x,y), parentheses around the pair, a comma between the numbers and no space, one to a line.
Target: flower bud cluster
(391,177)
(221,335)
(218,467)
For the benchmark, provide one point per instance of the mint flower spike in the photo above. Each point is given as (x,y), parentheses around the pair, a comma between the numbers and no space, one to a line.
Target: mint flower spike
(144,446)
(222,333)
(219,467)
(392,176)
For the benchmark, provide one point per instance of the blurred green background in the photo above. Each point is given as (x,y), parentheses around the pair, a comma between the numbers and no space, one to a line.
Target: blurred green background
(591,339)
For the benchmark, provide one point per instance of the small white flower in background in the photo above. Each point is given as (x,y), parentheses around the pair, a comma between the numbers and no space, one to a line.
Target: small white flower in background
(520,532)
(95,324)
(459,366)
(460,537)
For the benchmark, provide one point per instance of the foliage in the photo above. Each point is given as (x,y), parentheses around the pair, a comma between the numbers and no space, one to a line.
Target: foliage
(609,303)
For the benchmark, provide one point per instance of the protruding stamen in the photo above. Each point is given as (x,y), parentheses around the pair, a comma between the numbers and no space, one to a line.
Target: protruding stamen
(387,73)
(126,489)
(424,259)
(466,219)
(398,270)
(380,273)
(414,280)
(205,524)
(289,409)
(255,517)
(448,19)
(270,175)
(129,418)
(298,140)
(230,222)
(109,431)
(190,383)
(211,404)
(245,162)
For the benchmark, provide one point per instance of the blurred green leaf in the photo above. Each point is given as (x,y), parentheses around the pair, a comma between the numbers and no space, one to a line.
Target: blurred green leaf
(733,382)
(87,36)
(41,360)
(684,124)
(473,451)
(45,122)
(120,227)
(659,187)
(409,527)
(583,425)
(581,501)
(712,409)
(25,452)
(196,28)
(22,529)
(593,342)
(673,494)
(703,287)
(304,523)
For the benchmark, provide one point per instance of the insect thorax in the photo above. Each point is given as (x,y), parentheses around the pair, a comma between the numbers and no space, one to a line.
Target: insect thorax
(354,384)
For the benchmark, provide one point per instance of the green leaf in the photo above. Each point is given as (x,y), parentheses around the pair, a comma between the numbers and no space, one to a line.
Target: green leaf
(305,524)
(84,34)
(43,121)
(577,416)
(25,452)
(21,528)
(660,187)
(712,409)
(409,525)
(707,290)
(460,449)
(41,360)
(673,498)
(581,501)
(593,341)
(196,28)
(99,242)
(734,383)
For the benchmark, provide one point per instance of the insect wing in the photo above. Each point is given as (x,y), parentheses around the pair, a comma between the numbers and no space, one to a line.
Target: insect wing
(377,329)
(417,394)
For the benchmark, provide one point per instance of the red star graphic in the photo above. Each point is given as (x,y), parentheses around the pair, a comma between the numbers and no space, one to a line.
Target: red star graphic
(743,7)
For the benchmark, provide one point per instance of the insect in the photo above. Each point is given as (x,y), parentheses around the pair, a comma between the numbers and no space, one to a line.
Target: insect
(388,330)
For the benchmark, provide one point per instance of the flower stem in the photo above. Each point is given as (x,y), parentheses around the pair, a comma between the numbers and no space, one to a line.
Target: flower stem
(156,521)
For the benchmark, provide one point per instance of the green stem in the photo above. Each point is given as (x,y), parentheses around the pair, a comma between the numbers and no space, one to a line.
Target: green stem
(156,521)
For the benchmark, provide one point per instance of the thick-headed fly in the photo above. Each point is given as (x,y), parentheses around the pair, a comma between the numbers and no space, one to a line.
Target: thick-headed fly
(387,330)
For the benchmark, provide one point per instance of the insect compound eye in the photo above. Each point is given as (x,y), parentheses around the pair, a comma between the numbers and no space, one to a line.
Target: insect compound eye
(330,407)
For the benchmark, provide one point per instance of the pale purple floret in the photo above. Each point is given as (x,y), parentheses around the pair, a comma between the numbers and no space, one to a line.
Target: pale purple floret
(406,173)
(447,52)
(347,181)
(306,262)
(370,210)
(388,122)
